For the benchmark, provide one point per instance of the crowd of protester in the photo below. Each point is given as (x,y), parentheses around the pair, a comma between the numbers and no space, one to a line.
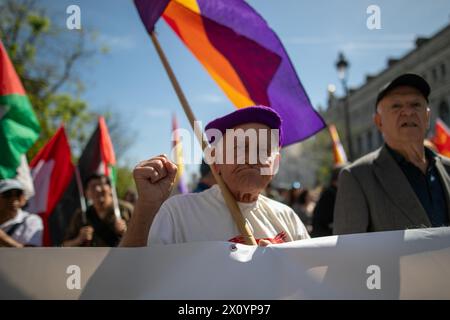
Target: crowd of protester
(402,185)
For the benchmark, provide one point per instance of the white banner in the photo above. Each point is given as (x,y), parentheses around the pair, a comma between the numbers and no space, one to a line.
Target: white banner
(412,264)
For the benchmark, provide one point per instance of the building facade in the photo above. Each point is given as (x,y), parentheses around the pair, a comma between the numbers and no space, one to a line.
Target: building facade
(430,58)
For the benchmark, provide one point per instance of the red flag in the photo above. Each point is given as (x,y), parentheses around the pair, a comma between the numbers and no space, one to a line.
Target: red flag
(98,157)
(52,170)
(106,147)
(441,138)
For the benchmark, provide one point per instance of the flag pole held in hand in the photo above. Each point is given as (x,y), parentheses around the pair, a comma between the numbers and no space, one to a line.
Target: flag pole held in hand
(228,197)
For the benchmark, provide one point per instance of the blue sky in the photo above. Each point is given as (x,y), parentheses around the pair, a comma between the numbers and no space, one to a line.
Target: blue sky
(131,80)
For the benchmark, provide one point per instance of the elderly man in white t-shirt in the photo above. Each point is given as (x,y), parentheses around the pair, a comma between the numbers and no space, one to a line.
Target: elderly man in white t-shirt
(204,216)
(18,228)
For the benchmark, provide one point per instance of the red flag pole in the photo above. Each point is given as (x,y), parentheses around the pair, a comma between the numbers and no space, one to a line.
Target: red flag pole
(228,197)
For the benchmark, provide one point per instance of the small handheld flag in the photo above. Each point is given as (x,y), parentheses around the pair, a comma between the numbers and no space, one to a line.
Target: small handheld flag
(340,157)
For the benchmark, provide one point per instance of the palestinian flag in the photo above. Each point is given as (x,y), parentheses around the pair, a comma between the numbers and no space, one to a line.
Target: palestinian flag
(52,171)
(98,155)
(19,127)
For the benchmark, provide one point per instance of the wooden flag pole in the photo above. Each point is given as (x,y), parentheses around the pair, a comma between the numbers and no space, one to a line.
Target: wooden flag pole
(229,199)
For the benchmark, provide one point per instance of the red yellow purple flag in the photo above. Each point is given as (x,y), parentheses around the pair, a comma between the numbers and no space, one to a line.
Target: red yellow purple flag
(340,157)
(242,54)
(441,138)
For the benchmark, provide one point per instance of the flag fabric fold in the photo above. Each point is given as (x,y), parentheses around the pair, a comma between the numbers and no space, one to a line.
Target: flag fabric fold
(244,56)
(98,157)
(151,11)
(19,127)
(52,171)
(441,138)
(339,154)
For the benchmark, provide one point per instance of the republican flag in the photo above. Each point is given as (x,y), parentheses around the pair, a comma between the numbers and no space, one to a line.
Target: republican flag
(441,138)
(340,157)
(178,155)
(242,54)
(52,171)
(19,127)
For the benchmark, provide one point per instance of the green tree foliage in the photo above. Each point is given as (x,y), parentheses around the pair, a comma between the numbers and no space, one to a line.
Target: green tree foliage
(124,181)
(46,57)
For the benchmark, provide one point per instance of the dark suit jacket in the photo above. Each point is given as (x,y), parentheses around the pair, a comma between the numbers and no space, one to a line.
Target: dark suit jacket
(375,195)
(323,213)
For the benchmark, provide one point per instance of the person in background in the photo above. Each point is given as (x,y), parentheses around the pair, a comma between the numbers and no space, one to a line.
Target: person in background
(403,184)
(130,197)
(272,193)
(294,193)
(303,206)
(102,228)
(322,220)
(285,194)
(206,178)
(18,228)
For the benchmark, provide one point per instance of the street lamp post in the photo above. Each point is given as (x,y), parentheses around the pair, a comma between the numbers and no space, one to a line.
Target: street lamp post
(342,67)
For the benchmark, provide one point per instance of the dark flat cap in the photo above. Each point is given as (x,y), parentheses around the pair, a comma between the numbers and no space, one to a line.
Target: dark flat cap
(257,114)
(407,79)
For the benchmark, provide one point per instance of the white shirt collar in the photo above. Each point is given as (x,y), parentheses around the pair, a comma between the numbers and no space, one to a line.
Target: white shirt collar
(244,206)
(17,219)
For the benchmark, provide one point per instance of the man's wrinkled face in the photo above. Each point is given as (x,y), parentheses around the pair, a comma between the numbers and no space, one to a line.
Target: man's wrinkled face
(403,116)
(99,191)
(12,200)
(250,160)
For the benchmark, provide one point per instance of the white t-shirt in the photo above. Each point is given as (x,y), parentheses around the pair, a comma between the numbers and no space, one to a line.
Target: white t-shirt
(204,216)
(29,232)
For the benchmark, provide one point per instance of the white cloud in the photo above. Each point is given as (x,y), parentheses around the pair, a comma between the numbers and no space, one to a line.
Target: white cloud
(157,112)
(370,42)
(370,45)
(209,98)
(118,42)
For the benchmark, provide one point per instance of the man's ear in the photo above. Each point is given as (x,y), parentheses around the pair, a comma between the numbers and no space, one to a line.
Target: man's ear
(377,120)
(428,117)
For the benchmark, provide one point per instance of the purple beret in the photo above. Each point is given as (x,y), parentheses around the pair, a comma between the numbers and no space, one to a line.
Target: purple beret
(257,114)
